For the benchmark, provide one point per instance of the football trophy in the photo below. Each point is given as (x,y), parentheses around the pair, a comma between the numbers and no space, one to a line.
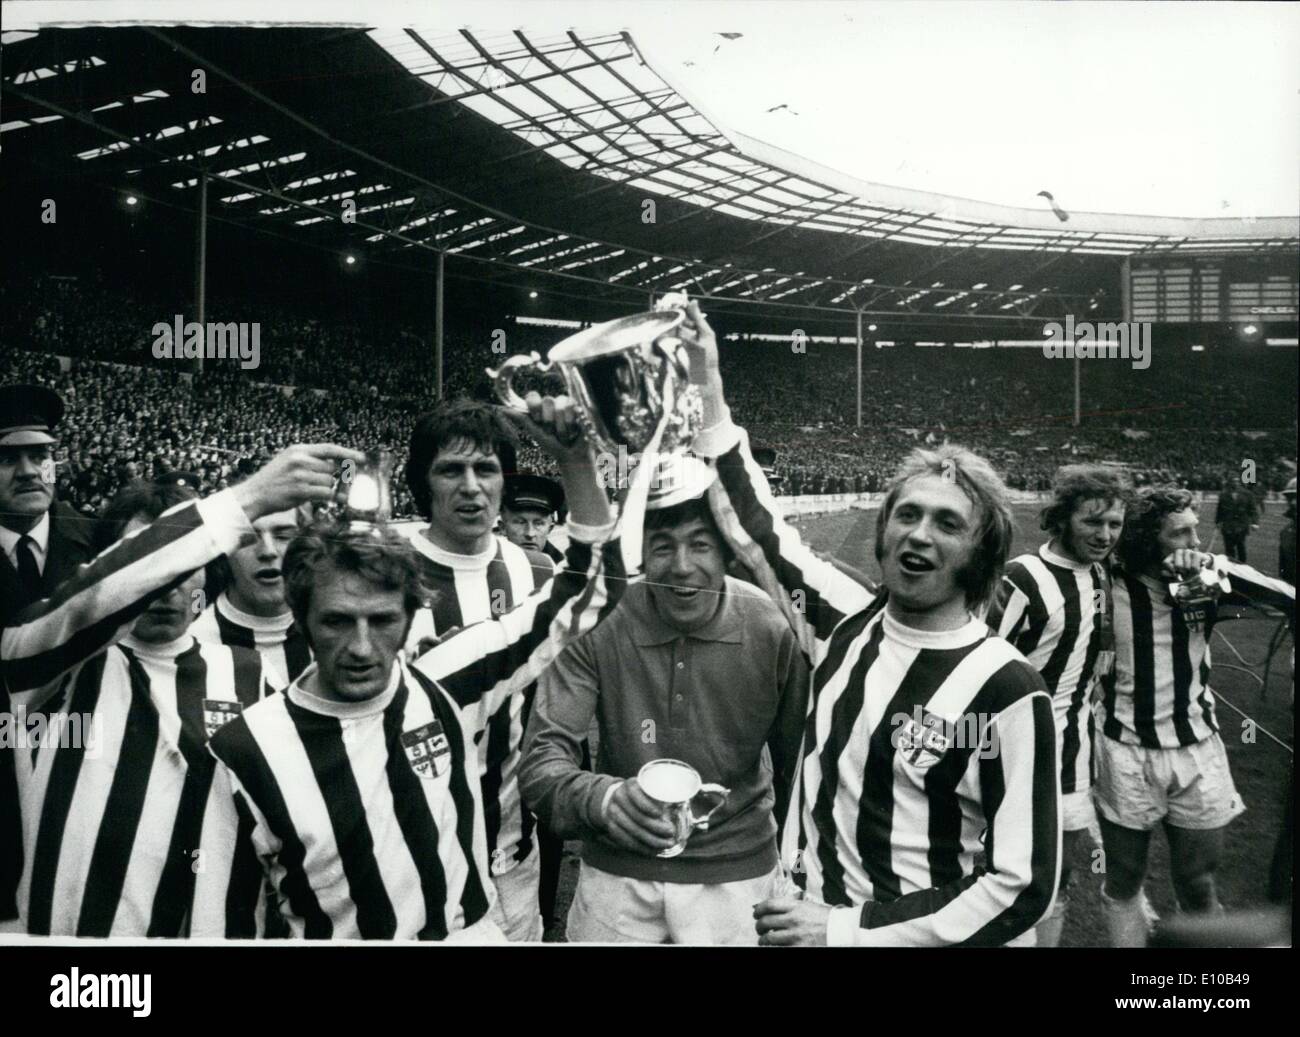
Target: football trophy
(629,378)
(363,495)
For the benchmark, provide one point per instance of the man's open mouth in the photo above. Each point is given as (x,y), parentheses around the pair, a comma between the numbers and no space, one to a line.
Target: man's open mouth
(268,575)
(912,562)
(684,593)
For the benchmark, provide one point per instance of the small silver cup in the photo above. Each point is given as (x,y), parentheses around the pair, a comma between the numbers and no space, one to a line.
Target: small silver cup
(363,495)
(675,785)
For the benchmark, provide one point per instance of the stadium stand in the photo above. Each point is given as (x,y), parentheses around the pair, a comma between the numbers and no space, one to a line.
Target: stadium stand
(131,414)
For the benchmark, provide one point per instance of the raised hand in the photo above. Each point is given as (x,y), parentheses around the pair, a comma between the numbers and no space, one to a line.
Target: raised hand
(701,344)
(300,474)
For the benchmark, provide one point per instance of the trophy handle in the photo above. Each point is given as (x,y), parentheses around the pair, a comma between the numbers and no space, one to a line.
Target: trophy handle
(702,822)
(503,377)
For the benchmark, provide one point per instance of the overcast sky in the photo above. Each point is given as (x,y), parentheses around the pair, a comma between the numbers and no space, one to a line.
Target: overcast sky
(1174,109)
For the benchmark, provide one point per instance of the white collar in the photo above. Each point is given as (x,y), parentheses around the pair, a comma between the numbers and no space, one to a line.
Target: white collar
(453,559)
(268,624)
(966,634)
(1048,555)
(300,696)
(169,650)
(40,533)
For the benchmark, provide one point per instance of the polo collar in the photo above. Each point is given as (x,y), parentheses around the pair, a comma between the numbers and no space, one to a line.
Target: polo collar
(649,628)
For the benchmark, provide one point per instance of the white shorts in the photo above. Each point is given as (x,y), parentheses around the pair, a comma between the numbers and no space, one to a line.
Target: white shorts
(614,909)
(1190,787)
(516,910)
(1077,811)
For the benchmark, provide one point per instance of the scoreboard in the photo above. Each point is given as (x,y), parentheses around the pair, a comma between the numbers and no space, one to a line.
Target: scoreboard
(1212,289)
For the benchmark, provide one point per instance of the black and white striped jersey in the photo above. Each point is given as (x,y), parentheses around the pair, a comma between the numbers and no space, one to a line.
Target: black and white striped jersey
(367,816)
(116,799)
(1159,693)
(284,650)
(470,589)
(929,803)
(1054,611)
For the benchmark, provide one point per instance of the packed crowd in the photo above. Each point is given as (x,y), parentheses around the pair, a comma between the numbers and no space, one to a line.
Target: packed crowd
(131,414)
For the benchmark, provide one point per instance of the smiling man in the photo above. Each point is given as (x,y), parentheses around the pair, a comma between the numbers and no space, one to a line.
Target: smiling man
(1055,606)
(929,740)
(693,666)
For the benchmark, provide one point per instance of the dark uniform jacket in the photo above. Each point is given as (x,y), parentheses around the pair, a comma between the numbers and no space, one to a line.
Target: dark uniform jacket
(69,546)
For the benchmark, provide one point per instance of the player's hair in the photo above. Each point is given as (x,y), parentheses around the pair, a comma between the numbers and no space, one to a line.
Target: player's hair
(1076,483)
(1139,543)
(148,499)
(976,478)
(687,511)
(457,421)
(140,497)
(378,555)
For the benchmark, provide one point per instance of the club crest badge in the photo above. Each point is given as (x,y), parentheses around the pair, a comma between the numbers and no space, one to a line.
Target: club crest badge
(217,713)
(427,750)
(922,744)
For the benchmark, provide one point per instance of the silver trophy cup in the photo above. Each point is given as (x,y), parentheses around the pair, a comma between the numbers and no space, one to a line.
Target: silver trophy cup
(676,785)
(363,495)
(625,376)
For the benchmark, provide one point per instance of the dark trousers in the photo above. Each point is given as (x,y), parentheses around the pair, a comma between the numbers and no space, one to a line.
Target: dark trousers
(551,848)
(1234,544)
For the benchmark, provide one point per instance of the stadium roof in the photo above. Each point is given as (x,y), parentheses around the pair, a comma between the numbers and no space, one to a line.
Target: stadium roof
(522,154)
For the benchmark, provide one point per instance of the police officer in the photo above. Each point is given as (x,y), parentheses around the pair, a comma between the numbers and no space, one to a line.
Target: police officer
(529,504)
(41,545)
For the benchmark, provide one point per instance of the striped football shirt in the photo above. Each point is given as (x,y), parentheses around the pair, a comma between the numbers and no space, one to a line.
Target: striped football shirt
(1159,693)
(367,817)
(113,820)
(1053,610)
(928,802)
(284,650)
(468,589)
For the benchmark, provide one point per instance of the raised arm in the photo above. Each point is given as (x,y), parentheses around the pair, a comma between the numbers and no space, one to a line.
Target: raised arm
(482,665)
(813,594)
(1252,587)
(97,605)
